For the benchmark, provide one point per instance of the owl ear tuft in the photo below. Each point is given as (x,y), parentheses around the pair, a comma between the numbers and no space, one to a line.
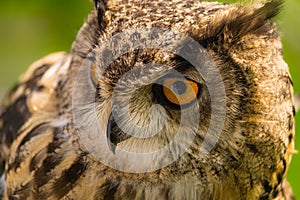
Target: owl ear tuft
(254,17)
(229,27)
(101,7)
(87,37)
(271,9)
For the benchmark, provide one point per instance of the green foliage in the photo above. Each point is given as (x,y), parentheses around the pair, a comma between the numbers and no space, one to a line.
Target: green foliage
(32,29)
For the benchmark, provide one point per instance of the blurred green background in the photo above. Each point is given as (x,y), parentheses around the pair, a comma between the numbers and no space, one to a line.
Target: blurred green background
(31,29)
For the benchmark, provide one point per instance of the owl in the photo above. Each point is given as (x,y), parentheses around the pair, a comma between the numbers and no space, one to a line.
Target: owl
(162,99)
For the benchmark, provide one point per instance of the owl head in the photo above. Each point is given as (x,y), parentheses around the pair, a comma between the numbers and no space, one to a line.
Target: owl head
(184,87)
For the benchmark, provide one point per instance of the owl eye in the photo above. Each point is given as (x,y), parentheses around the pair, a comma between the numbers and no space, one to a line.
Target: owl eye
(178,91)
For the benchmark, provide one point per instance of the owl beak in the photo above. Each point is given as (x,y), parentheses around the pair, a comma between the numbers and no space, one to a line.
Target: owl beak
(111,139)
(114,134)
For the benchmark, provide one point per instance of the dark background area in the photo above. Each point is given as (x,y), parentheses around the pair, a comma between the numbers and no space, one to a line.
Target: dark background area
(32,29)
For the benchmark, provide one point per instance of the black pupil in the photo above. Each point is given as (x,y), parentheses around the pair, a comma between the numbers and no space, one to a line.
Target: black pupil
(179,87)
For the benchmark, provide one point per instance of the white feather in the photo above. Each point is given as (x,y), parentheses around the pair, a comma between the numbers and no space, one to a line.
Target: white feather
(297,101)
(2,185)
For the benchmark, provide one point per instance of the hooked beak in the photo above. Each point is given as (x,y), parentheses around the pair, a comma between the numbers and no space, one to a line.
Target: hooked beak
(111,139)
(114,134)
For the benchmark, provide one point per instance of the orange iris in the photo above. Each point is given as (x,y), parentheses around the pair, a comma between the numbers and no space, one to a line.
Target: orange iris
(180,91)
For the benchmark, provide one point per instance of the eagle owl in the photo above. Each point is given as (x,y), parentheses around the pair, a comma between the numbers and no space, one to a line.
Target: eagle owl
(161,99)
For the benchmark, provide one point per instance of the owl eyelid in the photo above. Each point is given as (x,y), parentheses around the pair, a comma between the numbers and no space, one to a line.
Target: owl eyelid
(189,79)
(183,77)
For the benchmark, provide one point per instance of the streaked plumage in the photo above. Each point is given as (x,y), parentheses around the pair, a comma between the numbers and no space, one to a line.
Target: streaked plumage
(42,156)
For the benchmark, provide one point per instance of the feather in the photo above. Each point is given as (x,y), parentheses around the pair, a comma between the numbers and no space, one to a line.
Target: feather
(297,101)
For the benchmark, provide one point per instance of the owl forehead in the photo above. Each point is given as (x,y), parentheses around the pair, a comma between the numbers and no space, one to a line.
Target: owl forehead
(146,64)
(179,15)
